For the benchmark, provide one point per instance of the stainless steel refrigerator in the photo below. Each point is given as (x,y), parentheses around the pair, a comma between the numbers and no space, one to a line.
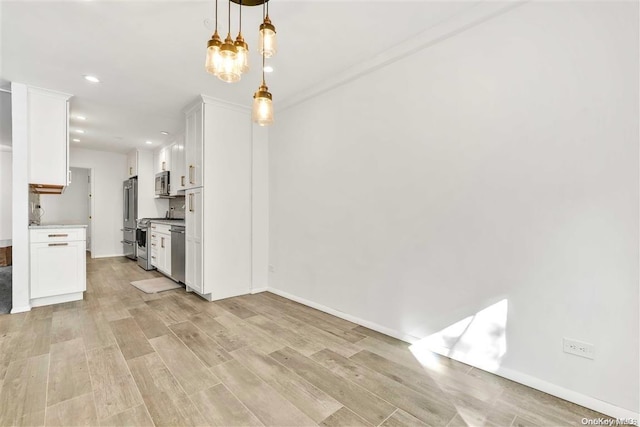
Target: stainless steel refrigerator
(129,216)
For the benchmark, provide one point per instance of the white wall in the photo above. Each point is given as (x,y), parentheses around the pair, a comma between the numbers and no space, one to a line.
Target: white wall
(72,206)
(6,169)
(501,163)
(109,170)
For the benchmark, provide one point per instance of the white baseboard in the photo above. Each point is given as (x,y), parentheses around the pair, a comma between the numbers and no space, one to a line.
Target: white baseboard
(57,299)
(519,377)
(15,310)
(5,243)
(107,256)
(258,290)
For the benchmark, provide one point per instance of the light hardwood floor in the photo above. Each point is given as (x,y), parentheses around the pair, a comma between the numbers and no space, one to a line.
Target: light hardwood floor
(123,357)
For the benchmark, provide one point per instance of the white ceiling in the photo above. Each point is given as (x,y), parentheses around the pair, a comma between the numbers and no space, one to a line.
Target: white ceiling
(150,55)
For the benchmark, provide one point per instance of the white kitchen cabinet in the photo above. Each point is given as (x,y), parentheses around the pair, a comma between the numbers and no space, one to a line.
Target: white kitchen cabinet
(132,163)
(194,214)
(163,159)
(177,177)
(48,133)
(161,247)
(57,265)
(218,140)
(194,145)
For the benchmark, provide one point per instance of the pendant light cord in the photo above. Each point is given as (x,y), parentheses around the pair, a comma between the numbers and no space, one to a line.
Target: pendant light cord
(240,25)
(216,16)
(229,21)
(263,18)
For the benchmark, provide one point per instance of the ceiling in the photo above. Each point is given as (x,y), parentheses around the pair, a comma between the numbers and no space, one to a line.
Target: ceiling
(149,56)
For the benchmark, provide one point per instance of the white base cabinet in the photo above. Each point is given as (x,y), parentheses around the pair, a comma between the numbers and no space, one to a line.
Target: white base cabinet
(57,264)
(161,247)
(193,214)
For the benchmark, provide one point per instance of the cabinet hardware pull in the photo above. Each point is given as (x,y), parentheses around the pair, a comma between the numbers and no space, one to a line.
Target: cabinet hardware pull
(162,242)
(191,168)
(152,257)
(182,181)
(153,244)
(58,235)
(130,170)
(58,244)
(191,202)
(163,166)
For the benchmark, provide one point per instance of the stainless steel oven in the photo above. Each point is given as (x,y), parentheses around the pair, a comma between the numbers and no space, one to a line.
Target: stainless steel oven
(162,184)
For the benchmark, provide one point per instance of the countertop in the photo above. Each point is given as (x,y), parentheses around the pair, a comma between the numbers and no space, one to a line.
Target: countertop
(169,221)
(58,226)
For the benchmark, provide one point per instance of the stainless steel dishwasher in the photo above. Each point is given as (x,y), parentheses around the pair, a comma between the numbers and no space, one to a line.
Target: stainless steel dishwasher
(177,252)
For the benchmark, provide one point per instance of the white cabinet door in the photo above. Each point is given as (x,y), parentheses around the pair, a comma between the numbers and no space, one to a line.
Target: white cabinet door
(178,178)
(164,253)
(194,145)
(193,240)
(57,268)
(132,163)
(48,137)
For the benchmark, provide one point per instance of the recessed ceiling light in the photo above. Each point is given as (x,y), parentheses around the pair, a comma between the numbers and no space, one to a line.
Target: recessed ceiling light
(81,118)
(149,142)
(268,69)
(76,140)
(92,79)
(79,131)
(164,132)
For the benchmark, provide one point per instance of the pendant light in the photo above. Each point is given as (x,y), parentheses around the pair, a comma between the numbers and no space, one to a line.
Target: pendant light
(262,112)
(268,42)
(242,55)
(230,72)
(213,63)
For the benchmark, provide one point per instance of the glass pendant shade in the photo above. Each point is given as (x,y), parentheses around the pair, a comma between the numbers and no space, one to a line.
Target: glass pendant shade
(262,112)
(242,55)
(213,62)
(228,50)
(268,43)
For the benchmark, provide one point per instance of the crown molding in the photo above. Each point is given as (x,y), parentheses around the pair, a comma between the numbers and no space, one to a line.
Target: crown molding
(469,18)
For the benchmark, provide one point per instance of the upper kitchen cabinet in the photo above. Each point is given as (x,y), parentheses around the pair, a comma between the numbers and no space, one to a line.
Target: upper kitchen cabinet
(177,178)
(48,136)
(132,163)
(194,145)
(163,159)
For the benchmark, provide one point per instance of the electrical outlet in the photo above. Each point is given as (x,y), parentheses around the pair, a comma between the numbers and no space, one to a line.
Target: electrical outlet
(578,348)
(272,269)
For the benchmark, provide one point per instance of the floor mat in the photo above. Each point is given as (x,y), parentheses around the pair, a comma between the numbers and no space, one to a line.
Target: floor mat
(159,284)
(5,289)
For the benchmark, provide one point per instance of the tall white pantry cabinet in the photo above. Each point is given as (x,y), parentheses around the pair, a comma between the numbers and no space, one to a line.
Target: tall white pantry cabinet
(218,139)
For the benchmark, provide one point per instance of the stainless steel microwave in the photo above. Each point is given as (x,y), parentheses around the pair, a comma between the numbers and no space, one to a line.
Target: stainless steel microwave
(162,184)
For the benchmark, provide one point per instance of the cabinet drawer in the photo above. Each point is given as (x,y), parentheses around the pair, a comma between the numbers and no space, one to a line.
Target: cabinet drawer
(160,228)
(47,235)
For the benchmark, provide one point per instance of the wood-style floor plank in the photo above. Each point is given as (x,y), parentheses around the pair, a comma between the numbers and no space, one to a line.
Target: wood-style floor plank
(309,399)
(368,406)
(402,419)
(114,388)
(233,307)
(343,417)
(207,350)
(69,372)
(130,338)
(429,410)
(221,408)
(152,326)
(268,405)
(138,416)
(79,411)
(65,325)
(228,340)
(185,366)
(24,392)
(166,401)
(95,329)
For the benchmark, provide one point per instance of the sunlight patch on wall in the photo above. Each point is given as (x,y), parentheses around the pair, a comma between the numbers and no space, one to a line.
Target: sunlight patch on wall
(478,340)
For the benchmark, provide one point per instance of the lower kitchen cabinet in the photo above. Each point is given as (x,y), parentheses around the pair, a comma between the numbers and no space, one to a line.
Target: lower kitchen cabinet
(161,247)
(58,265)
(193,240)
